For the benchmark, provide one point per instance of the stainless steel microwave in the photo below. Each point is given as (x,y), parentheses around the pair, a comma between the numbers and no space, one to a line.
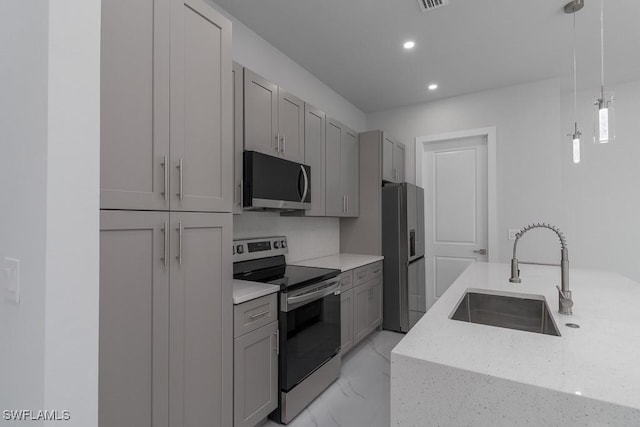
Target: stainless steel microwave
(272,183)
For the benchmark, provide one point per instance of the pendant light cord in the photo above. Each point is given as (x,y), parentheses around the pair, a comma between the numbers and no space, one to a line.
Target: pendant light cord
(602,48)
(575,77)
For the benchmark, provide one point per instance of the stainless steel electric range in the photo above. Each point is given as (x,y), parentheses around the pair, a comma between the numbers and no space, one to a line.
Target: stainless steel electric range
(309,320)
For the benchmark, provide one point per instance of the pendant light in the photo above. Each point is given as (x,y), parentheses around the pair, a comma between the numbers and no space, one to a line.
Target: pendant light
(572,7)
(603,114)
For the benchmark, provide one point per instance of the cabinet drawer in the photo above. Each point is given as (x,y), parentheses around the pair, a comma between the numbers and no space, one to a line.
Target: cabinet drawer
(347,280)
(254,314)
(375,270)
(363,274)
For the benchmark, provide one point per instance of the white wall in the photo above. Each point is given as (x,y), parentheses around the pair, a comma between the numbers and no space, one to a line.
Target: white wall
(254,52)
(23,150)
(593,203)
(72,291)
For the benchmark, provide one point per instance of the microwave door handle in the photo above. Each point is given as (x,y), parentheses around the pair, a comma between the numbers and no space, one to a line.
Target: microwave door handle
(306,183)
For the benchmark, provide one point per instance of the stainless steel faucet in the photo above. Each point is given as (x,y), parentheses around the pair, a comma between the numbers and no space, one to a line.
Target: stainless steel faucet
(566,303)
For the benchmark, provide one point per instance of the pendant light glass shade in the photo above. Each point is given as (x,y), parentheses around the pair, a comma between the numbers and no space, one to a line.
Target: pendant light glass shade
(604,129)
(576,150)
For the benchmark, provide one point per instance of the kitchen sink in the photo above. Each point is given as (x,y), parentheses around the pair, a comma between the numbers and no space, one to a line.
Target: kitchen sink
(506,310)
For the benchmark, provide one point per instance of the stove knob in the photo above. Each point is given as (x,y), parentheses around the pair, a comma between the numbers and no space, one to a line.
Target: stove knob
(240,249)
(276,245)
(284,244)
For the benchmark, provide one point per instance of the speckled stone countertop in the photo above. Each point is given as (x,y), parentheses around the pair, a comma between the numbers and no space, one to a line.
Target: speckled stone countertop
(244,291)
(457,373)
(342,262)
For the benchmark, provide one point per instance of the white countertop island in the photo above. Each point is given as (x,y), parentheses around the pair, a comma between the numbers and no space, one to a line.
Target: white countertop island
(451,373)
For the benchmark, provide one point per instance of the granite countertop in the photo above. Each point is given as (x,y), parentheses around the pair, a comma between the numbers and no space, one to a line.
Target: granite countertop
(342,262)
(597,361)
(244,291)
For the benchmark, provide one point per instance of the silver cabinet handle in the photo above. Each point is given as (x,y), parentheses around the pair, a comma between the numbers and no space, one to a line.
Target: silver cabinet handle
(180,168)
(165,180)
(306,183)
(480,251)
(257,315)
(284,144)
(346,204)
(179,256)
(277,341)
(278,143)
(241,193)
(165,237)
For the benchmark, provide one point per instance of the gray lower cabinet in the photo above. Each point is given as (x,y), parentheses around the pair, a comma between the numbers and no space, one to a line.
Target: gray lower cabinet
(161,364)
(255,375)
(255,360)
(342,166)
(273,119)
(367,308)
(346,321)
(238,135)
(166,124)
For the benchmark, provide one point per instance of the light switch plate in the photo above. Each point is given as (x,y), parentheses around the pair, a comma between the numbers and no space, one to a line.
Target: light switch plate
(11,276)
(512,233)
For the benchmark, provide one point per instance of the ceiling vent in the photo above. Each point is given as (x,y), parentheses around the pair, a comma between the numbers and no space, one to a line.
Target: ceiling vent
(426,5)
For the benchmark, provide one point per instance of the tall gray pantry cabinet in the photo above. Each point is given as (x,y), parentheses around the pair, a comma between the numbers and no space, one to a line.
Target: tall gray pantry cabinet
(166,326)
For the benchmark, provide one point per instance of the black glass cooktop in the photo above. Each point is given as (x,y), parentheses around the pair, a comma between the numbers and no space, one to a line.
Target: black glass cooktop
(273,270)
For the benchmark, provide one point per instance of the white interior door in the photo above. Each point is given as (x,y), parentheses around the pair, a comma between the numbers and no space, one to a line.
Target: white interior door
(455,183)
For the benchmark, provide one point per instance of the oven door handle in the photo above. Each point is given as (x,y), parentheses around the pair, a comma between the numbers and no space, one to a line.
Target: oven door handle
(312,296)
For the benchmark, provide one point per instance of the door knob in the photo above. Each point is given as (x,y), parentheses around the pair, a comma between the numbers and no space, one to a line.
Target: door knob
(480,251)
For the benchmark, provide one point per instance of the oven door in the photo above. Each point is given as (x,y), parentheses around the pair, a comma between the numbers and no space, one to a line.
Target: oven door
(312,324)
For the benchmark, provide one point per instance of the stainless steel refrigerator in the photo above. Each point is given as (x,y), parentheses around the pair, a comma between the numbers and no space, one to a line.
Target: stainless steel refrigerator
(404,297)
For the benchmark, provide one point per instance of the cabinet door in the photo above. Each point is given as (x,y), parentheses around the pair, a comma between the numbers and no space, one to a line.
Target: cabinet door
(346,321)
(398,162)
(349,172)
(314,156)
(260,114)
(255,375)
(201,109)
(134,105)
(291,126)
(361,302)
(134,320)
(334,196)
(375,304)
(200,336)
(238,136)
(387,159)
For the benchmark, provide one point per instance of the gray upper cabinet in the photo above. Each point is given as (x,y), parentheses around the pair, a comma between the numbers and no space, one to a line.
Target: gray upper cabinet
(134,100)
(314,156)
(166,130)
(398,162)
(393,159)
(388,171)
(238,135)
(291,126)
(134,319)
(342,176)
(201,321)
(273,119)
(201,109)
(260,114)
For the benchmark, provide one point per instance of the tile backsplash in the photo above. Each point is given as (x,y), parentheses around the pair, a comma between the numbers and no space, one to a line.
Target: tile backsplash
(307,237)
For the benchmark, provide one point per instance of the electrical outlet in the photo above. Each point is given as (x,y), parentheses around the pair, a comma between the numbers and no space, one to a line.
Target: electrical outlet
(513,232)
(10,272)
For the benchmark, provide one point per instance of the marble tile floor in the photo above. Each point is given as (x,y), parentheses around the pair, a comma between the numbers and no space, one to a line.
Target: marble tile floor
(360,397)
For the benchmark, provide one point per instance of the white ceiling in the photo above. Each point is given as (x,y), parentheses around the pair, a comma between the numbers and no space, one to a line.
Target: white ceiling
(355,46)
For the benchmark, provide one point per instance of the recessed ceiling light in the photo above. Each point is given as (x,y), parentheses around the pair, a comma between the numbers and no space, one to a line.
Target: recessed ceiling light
(409,44)
(433,86)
